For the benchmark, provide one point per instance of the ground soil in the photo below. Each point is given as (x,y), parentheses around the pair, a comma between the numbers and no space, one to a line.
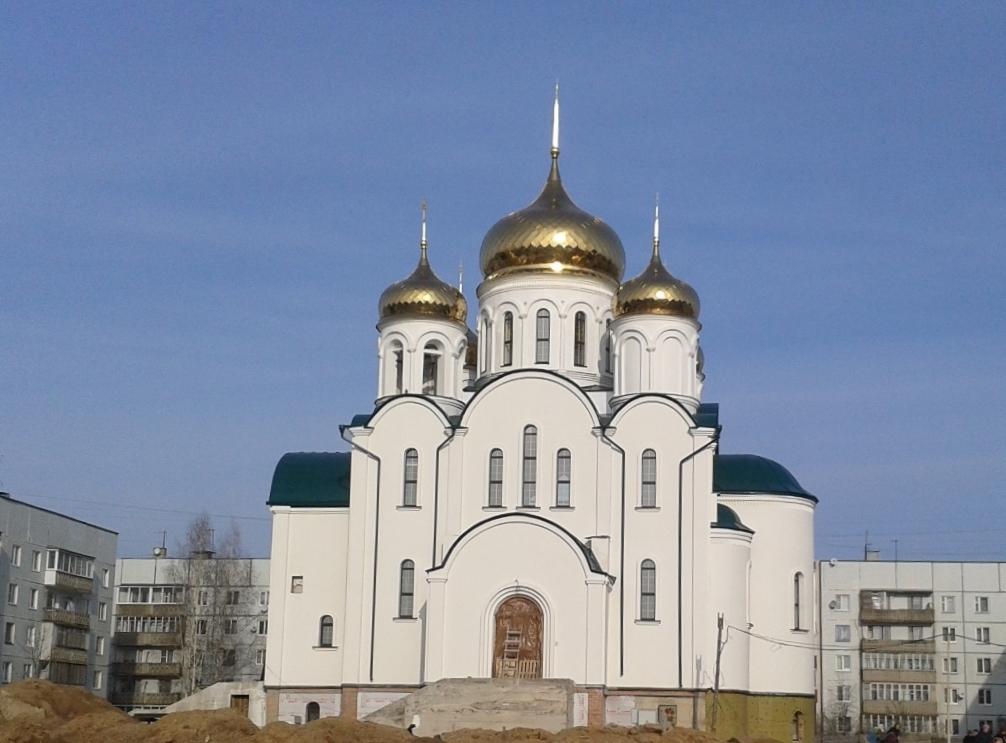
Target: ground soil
(42,712)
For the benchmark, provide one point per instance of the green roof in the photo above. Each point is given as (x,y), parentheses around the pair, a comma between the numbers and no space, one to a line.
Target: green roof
(708,415)
(727,518)
(311,480)
(748,473)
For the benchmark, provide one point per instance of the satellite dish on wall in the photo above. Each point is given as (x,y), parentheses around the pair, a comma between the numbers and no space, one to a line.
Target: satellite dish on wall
(160,551)
(833,605)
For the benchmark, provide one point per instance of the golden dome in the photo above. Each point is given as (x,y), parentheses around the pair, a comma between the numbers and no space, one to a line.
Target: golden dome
(552,235)
(422,293)
(656,292)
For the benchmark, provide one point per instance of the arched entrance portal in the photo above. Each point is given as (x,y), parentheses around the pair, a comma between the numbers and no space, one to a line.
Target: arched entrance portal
(518,643)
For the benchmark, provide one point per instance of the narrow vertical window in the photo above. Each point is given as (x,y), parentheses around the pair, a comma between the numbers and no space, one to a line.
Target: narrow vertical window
(797,599)
(399,370)
(648,493)
(407,589)
(409,496)
(607,346)
(648,591)
(431,360)
(496,478)
(563,470)
(507,339)
(543,330)
(530,467)
(325,632)
(580,339)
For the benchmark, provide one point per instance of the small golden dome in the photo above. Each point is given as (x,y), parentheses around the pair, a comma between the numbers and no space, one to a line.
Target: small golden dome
(552,235)
(656,292)
(422,293)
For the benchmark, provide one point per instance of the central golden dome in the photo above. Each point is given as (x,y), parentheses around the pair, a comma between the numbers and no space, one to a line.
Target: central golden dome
(552,235)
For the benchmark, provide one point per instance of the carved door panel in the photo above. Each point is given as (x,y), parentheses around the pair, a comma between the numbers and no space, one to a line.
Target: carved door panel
(517,646)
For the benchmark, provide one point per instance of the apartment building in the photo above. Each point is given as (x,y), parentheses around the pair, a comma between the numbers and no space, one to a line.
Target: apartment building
(56,615)
(183,624)
(920,643)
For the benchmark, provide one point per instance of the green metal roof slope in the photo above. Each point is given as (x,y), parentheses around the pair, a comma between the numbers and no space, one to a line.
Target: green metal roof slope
(311,480)
(727,518)
(749,473)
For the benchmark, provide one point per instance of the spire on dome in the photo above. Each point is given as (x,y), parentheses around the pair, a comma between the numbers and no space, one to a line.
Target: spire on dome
(461,277)
(555,123)
(656,228)
(422,239)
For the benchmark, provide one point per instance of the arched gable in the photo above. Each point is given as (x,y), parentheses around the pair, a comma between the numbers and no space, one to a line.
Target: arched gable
(407,399)
(525,374)
(653,398)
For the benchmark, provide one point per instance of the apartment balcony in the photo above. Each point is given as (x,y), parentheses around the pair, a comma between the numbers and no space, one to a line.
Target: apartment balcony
(67,618)
(902,617)
(150,610)
(143,699)
(894,707)
(887,675)
(68,655)
(149,670)
(927,647)
(68,582)
(148,639)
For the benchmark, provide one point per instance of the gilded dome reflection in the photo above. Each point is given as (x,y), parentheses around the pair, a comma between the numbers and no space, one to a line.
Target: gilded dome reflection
(656,292)
(423,293)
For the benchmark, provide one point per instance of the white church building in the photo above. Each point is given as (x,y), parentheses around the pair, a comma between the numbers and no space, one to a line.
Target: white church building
(543,497)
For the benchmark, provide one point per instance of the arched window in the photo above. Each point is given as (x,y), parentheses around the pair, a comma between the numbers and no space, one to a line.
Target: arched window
(431,370)
(648,485)
(411,489)
(542,335)
(326,629)
(607,346)
(496,478)
(407,590)
(580,339)
(312,712)
(530,468)
(797,600)
(563,470)
(798,726)
(399,368)
(507,338)
(648,591)
(485,343)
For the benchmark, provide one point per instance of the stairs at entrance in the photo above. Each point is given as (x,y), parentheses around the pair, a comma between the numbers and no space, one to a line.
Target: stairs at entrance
(490,704)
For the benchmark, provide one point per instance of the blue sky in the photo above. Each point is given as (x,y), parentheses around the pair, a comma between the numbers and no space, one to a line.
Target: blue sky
(200,204)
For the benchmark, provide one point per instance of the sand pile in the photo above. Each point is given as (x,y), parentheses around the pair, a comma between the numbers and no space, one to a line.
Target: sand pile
(42,712)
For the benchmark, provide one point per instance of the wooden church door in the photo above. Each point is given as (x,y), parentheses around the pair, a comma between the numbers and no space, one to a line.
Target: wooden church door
(517,649)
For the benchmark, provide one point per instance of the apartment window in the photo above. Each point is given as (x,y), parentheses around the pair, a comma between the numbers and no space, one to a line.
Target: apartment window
(982,635)
(917,602)
(29,670)
(15,555)
(8,671)
(843,693)
(410,492)
(984,665)
(648,480)
(949,634)
(952,696)
(263,626)
(797,600)
(648,591)
(877,632)
(955,726)
(231,627)
(496,478)
(507,338)
(843,662)
(106,577)
(530,474)
(36,561)
(263,598)
(99,679)
(326,630)
(12,592)
(200,626)
(563,471)
(543,329)
(99,645)
(580,339)
(406,591)
(947,604)
(31,636)
(843,724)
(260,657)
(842,602)
(950,665)
(8,634)
(843,633)
(297,584)
(431,370)
(204,598)
(985,697)
(981,604)
(102,611)
(233,597)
